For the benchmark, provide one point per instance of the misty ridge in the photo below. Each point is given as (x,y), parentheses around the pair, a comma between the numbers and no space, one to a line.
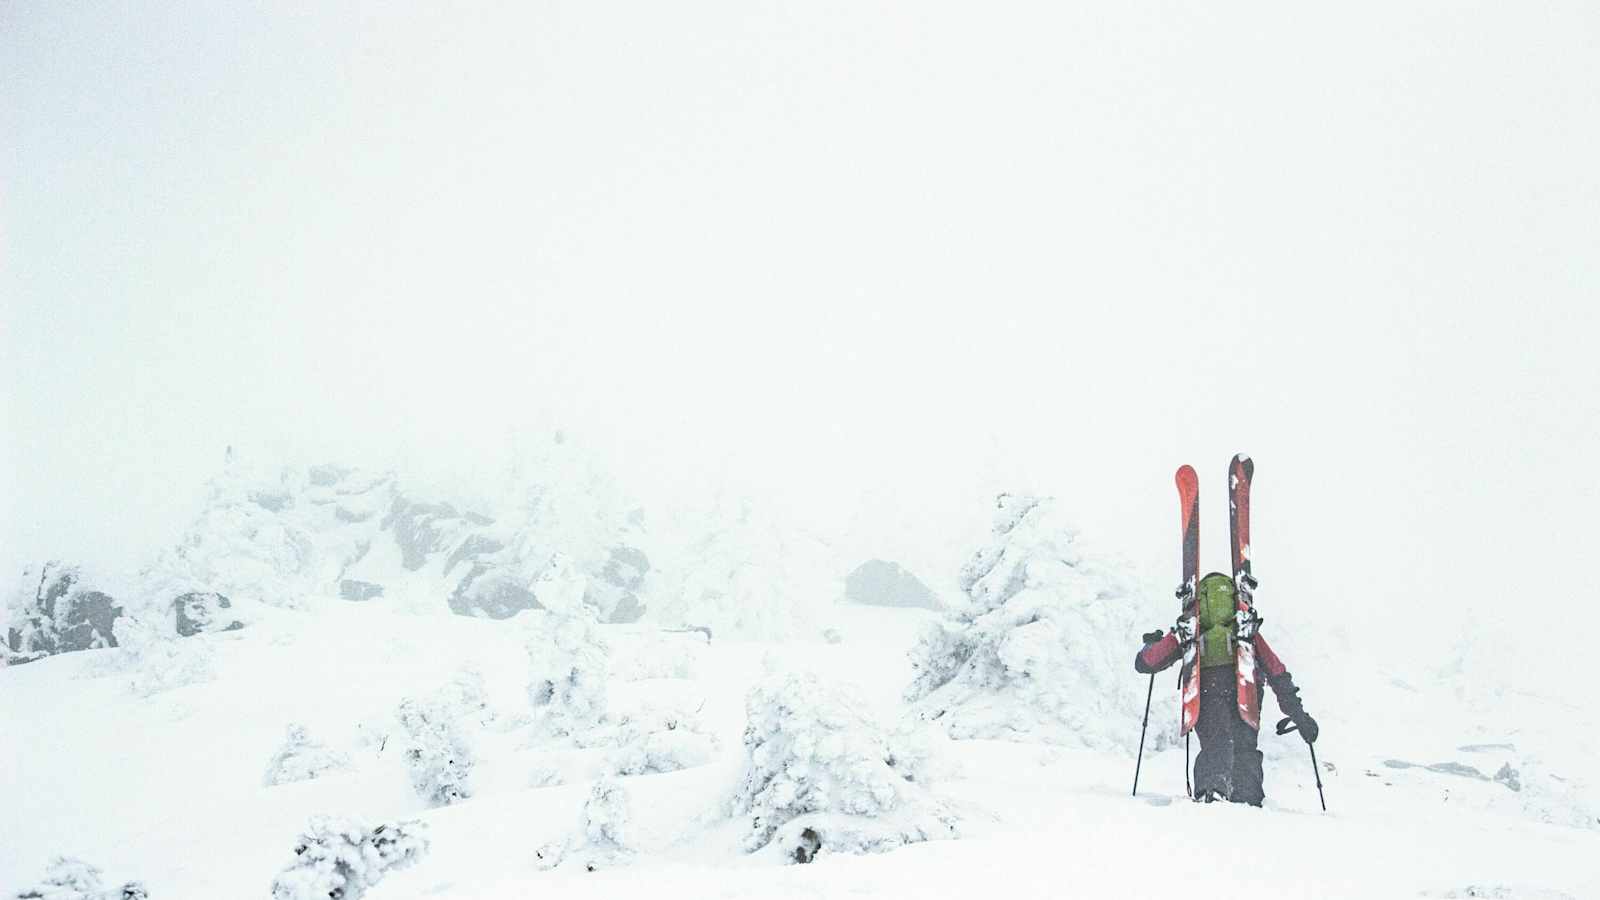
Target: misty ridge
(555,532)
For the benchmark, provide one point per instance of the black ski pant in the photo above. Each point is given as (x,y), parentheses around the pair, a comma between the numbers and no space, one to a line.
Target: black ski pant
(1229,762)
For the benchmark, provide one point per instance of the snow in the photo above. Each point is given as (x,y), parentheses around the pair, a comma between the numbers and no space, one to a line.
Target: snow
(898,750)
(166,788)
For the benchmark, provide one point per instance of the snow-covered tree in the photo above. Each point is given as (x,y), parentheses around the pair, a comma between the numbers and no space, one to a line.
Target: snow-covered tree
(820,774)
(662,740)
(302,759)
(67,878)
(1042,651)
(438,752)
(569,668)
(342,858)
(744,575)
(605,818)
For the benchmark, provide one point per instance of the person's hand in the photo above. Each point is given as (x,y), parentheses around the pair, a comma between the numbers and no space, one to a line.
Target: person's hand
(1307,726)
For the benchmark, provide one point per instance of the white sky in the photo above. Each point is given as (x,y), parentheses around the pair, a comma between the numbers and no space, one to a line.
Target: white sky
(869,260)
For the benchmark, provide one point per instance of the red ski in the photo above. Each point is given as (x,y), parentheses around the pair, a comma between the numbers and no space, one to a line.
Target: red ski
(1189,674)
(1240,471)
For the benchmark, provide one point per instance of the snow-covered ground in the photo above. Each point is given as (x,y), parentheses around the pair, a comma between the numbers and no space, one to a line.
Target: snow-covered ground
(169,787)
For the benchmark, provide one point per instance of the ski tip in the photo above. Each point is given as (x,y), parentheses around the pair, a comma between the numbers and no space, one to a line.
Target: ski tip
(1186,475)
(1243,462)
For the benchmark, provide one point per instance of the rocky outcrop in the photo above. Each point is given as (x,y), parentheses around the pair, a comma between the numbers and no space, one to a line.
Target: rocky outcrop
(878,582)
(197,612)
(615,592)
(60,617)
(492,591)
(422,529)
(359,591)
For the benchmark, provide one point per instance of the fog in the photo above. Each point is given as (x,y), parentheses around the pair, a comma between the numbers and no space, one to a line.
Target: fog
(866,262)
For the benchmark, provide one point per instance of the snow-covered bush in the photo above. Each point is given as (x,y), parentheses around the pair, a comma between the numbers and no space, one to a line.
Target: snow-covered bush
(605,819)
(67,878)
(439,754)
(302,759)
(601,836)
(155,659)
(661,740)
(464,694)
(1043,650)
(822,775)
(744,575)
(49,612)
(569,666)
(342,858)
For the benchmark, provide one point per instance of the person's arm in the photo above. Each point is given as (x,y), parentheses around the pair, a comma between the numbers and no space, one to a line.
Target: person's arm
(1283,688)
(1158,655)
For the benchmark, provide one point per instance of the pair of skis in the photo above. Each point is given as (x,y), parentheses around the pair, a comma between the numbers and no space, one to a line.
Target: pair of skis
(1240,471)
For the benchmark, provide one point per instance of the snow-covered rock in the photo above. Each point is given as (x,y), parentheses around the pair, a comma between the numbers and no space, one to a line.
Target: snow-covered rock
(50,611)
(303,759)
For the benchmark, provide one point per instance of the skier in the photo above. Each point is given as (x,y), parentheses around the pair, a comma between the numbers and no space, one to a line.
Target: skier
(1229,765)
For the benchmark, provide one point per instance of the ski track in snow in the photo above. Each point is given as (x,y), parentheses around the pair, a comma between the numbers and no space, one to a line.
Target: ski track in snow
(168,788)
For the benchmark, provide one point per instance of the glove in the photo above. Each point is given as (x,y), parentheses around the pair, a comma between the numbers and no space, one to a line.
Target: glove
(1289,701)
(1150,637)
(1185,628)
(1306,725)
(1248,621)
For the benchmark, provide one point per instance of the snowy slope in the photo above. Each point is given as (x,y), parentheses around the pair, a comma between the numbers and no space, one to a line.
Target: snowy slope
(168,788)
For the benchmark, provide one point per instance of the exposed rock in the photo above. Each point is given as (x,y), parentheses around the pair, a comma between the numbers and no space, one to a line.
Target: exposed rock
(1509,777)
(422,529)
(359,591)
(477,545)
(615,592)
(274,501)
(345,514)
(492,591)
(61,619)
(878,582)
(198,612)
(327,475)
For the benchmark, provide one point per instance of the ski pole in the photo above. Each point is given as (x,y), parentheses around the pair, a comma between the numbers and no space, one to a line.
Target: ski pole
(1188,789)
(1284,727)
(1149,639)
(1317,773)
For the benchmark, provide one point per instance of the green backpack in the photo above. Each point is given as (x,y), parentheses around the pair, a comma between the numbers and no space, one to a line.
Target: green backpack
(1217,604)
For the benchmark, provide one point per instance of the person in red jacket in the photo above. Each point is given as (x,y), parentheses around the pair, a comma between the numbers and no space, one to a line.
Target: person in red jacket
(1229,765)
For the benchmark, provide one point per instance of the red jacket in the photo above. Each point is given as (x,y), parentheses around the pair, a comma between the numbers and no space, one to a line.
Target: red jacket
(1163,653)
